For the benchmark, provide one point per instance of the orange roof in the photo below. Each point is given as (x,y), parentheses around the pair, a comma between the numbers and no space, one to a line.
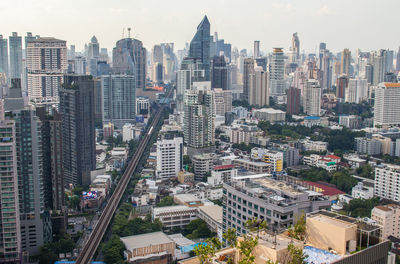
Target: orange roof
(383,208)
(387,84)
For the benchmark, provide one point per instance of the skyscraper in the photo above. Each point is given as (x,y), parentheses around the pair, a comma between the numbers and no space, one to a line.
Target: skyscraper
(15,43)
(259,87)
(322,48)
(277,71)
(119,99)
(199,116)
(293,101)
(357,91)
(192,70)
(219,73)
(248,69)
(378,61)
(93,48)
(29,37)
(398,60)
(35,222)
(52,158)
(129,57)
(345,62)
(169,156)
(200,45)
(157,54)
(386,104)
(77,115)
(10,234)
(256,49)
(312,98)
(296,45)
(341,86)
(46,61)
(3,55)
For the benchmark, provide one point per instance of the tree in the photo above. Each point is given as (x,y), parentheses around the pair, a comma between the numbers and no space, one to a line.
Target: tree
(166,201)
(204,252)
(230,237)
(113,250)
(298,231)
(197,228)
(186,160)
(296,255)
(246,247)
(256,225)
(46,256)
(360,207)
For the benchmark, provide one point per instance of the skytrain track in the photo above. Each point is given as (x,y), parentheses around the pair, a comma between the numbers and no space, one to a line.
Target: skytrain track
(97,234)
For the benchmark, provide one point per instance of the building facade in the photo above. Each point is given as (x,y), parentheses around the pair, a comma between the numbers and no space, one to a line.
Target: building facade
(119,99)
(312,98)
(77,114)
(169,157)
(46,62)
(386,107)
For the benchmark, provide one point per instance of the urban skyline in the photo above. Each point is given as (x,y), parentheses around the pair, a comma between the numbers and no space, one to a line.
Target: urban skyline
(152,22)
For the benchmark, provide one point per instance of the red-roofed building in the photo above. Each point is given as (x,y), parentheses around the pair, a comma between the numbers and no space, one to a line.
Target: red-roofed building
(222,173)
(324,188)
(224,167)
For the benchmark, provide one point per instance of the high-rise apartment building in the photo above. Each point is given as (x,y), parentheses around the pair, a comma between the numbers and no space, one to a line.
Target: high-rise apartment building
(3,55)
(200,46)
(119,99)
(46,61)
(35,223)
(169,156)
(15,43)
(312,98)
(199,116)
(157,54)
(378,62)
(342,83)
(398,60)
(259,87)
(129,57)
(356,91)
(222,101)
(296,45)
(387,182)
(293,101)
(276,72)
(10,234)
(52,158)
(77,115)
(345,62)
(219,73)
(388,218)
(248,69)
(256,49)
(386,104)
(192,70)
(93,48)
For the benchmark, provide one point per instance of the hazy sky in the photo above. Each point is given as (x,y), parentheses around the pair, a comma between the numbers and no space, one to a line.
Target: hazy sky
(365,24)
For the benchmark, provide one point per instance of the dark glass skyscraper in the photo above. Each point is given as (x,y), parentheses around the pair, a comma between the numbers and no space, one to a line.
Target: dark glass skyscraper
(219,73)
(15,43)
(200,45)
(77,115)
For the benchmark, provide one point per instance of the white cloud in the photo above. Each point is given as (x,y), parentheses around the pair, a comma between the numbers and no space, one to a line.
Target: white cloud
(323,11)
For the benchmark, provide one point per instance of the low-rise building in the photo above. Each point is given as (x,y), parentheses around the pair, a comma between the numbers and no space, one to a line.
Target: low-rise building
(202,164)
(309,145)
(222,173)
(174,216)
(271,157)
(350,121)
(185,177)
(360,191)
(253,166)
(354,161)
(149,248)
(269,114)
(212,215)
(310,121)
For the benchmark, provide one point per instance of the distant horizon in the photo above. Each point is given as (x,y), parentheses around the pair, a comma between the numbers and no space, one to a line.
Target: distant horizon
(340,24)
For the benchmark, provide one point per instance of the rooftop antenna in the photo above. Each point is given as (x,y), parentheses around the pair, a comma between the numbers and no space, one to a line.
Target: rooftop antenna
(129,32)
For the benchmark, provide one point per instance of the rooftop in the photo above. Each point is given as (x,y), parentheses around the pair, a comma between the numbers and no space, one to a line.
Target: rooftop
(213,211)
(144,240)
(277,185)
(326,190)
